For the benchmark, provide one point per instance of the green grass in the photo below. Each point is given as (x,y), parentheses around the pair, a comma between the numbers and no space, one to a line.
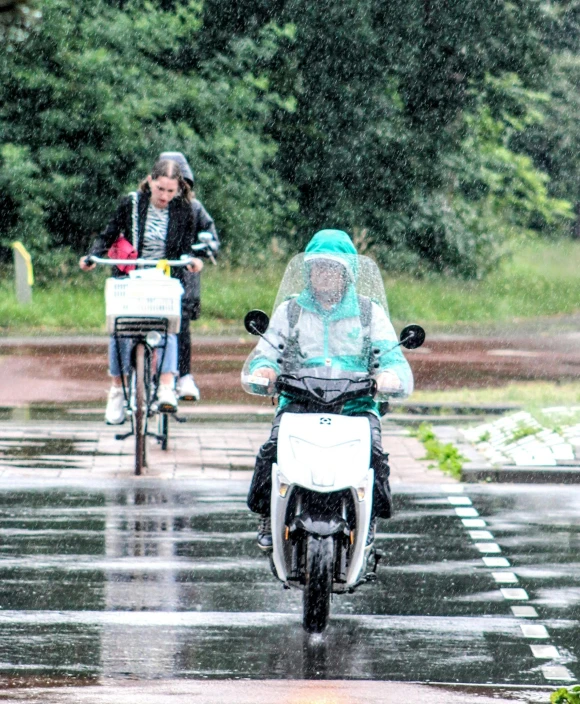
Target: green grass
(447,456)
(531,395)
(541,280)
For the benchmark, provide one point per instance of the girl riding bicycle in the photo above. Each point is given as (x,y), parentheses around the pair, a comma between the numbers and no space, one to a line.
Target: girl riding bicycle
(158,221)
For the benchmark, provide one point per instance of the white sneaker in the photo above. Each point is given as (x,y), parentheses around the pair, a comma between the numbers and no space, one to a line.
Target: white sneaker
(115,412)
(187,388)
(166,399)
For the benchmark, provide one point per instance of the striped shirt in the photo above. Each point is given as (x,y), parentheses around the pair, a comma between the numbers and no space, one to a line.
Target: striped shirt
(155,236)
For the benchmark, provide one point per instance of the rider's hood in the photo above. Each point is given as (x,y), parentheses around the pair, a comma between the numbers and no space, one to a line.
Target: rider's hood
(335,245)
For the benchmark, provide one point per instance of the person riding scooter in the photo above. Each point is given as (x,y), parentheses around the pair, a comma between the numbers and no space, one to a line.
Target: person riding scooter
(329,324)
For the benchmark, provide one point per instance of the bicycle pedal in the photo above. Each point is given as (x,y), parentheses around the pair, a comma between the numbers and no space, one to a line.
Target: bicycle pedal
(170,410)
(123,436)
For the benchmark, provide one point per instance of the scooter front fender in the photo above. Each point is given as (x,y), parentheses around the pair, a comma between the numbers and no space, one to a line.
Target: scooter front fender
(278,506)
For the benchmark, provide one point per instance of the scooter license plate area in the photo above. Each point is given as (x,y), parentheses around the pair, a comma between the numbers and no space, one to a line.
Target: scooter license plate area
(325,452)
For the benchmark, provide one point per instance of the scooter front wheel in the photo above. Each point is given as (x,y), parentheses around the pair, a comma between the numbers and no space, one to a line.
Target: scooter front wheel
(318,583)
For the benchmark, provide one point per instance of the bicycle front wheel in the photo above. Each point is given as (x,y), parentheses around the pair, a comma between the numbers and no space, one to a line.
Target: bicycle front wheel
(140,410)
(163,430)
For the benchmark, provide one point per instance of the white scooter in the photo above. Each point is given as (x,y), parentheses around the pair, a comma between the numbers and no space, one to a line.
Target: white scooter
(322,484)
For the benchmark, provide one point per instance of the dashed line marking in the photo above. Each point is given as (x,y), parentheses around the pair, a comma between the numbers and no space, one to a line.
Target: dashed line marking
(545,652)
(505,577)
(496,562)
(452,488)
(459,500)
(466,512)
(557,672)
(524,611)
(488,547)
(518,594)
(473,522)
(470,519)
(534,631)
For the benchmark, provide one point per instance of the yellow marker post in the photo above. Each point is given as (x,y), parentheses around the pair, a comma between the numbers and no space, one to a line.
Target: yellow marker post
(23,273)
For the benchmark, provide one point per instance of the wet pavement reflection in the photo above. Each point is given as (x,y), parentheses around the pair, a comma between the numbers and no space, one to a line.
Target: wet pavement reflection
(163,579)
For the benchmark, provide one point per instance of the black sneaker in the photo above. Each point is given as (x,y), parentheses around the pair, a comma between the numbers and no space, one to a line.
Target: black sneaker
(371,533)
(265,533)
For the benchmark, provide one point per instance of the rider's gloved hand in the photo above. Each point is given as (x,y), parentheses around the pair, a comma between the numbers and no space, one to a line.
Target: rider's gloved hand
(267,373)
(388,383)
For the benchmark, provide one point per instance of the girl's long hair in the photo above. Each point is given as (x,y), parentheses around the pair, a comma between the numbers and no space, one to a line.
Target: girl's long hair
(169,169)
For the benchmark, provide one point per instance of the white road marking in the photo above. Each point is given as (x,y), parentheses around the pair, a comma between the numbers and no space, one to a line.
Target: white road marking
(480,535)
(459,500)
(520,594)
(534,631)
(545,652)
(474,522)
(495,562)
(524,611)
(466,512)
(453,488)
(505,577)
(488,547)
(557,672)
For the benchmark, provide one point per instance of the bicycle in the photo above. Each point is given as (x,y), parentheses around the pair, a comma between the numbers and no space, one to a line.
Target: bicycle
(145,308)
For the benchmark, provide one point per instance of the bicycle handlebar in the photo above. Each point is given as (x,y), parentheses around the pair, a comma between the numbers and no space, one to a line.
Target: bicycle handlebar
(186,261)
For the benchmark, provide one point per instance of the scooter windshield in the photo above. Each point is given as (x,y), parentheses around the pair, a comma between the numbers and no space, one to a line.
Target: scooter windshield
(331,314)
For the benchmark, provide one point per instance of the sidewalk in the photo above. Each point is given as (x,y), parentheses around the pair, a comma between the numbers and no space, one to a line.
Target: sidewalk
(76,450)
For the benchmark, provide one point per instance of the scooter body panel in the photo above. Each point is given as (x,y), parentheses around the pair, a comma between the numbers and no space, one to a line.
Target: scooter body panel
(323,453)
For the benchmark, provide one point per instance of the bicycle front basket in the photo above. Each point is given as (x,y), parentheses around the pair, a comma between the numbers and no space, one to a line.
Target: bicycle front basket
(144,298)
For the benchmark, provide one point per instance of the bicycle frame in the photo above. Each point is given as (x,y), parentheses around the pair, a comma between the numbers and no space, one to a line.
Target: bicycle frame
(136,329)
(144,372)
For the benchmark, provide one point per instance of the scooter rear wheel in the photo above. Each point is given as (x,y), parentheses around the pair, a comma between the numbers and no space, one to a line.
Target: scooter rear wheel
(318,584)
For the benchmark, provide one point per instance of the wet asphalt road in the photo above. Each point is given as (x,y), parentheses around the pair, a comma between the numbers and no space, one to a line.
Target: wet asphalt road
(158,580)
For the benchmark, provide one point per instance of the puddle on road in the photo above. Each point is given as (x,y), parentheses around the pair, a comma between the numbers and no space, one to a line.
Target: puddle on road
(165,580)
(47,452)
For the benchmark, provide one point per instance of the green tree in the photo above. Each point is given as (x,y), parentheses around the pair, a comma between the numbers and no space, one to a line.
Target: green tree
(388,117)
(93,96)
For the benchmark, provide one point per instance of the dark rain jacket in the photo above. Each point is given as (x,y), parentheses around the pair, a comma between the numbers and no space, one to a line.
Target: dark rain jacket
(181,233)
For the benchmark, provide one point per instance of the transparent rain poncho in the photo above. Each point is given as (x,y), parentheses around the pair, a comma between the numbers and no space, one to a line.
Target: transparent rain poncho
(330,317)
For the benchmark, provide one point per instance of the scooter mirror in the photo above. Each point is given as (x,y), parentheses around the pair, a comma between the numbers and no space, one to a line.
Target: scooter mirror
(412,336)
(256,322)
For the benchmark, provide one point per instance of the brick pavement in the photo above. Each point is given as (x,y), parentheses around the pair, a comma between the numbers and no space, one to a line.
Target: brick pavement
(210,450)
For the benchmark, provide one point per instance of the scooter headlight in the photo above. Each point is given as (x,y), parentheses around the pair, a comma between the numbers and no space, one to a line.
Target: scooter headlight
(153,338)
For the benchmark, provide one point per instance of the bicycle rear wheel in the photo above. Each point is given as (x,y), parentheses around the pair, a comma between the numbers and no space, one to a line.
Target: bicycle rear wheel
(140,410)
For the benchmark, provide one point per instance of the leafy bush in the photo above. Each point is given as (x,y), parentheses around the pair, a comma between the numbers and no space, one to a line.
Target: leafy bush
(566,696)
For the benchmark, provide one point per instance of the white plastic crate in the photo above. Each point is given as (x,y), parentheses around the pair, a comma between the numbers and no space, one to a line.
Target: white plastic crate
(146,293)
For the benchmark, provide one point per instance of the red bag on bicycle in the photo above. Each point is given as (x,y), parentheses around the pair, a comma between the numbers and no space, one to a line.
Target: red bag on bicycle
(123,249)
